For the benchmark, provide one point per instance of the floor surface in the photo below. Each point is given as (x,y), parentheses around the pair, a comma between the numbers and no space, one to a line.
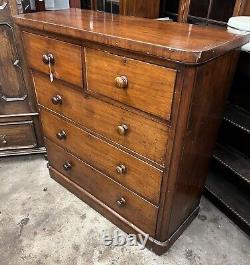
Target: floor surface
(42,223)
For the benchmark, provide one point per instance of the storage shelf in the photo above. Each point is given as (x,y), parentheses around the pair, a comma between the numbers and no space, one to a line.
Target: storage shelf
(229,198)
(234,161)
(238,117)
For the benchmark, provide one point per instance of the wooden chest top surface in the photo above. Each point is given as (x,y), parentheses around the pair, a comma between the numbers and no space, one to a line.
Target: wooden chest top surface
(185,43)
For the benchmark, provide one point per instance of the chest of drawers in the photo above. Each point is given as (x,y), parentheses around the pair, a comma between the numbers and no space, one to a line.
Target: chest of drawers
(130,110)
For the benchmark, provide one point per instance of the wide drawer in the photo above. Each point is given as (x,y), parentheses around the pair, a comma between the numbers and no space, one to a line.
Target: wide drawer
(138,84)
(129,205)
(121,166)
(17,135)
(143,136)
(65,58)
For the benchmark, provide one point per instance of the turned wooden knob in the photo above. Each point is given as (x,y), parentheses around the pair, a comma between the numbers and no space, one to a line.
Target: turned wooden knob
(48,58)
(121,169)
(61,135)
(67,166)
(121,202)
(121,82)
(56,100)
(122,129)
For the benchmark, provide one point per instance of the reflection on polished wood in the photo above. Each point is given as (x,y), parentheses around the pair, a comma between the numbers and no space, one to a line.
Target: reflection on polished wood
(178,42)
(131,117)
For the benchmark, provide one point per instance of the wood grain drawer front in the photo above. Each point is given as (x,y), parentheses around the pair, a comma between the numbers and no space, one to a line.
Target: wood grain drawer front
(144,136)
(137,175)
(67,64)
(17,135)
(135,209)
(138,84)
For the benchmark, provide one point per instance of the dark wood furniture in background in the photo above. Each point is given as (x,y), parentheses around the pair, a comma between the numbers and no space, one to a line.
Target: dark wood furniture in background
(192,11)
(228,183)
(19,125)
(204,12)
(135,116)
(40,5)
(80,4)
(138,8)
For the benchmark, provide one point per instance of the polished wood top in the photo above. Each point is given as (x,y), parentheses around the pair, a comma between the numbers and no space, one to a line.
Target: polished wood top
(174,41)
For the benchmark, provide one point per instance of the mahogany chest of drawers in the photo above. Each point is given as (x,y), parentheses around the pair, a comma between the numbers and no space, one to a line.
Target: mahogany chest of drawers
(130,110)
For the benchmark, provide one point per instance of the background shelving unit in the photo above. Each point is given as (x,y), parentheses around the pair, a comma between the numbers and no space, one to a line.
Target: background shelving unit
(228,183)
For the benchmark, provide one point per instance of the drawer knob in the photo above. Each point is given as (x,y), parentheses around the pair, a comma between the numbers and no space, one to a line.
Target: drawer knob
(56,100)
(48,58)
(121,169)
(67,166)
(121,81)
(61,135)
(121,202)
(122,129)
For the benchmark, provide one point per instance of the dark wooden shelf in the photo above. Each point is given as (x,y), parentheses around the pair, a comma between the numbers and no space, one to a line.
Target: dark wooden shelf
(238,117)
(235,161)
(229,198)
(228,183)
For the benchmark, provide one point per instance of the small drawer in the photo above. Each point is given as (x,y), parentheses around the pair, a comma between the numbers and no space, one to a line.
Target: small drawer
(17,135)
(121,166)
(141,85)
(63,60)
(143,136)
(127,204)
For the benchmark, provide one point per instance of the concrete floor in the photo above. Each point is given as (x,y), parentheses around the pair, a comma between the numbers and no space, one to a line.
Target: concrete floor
(42,223)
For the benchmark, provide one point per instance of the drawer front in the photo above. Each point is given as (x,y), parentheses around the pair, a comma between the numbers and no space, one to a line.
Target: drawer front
(17,135)
(124,168)
(18,106)
(66,58)
(143,136)
(129,205)
(138,84)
